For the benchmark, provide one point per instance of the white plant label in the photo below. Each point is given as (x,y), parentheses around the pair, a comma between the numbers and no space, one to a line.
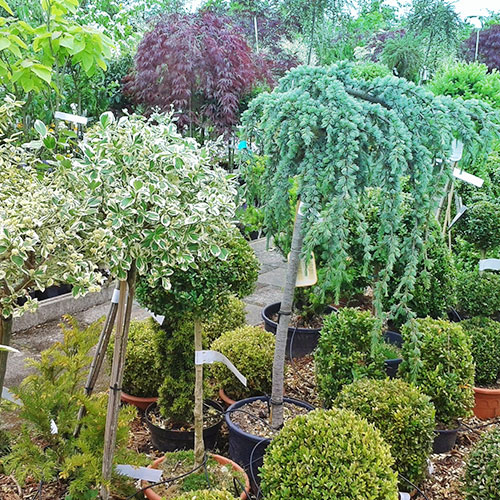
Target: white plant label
(116,296)
(8,348)
(143,473)
(457,150)
(489,265)
(68,117)
(462,210)
(6,394)
(53,427)
(404,496)
(157,317)
(210,357)
(466,177)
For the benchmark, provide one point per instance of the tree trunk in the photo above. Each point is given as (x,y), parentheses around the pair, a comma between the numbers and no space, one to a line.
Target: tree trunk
(199,447)
(283,322)
(100,354)
(119,353)
(5,332)
(313,27)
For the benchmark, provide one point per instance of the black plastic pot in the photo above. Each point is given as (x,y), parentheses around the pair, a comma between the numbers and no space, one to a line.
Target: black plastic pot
(392,365)
(171,440)
(444,440)
(247,449)
(305,340)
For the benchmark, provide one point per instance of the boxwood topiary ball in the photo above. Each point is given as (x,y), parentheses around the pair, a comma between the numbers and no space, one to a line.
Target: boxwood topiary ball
(403,415)
(482,475)
(332,454)
(206,495)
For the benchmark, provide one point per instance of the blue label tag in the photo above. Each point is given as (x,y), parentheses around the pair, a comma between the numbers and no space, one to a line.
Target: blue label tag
(242,145)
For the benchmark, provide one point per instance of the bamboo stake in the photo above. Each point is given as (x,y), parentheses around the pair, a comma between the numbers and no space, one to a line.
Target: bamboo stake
(283,322)
(123,323)
(97,361)
(199,446)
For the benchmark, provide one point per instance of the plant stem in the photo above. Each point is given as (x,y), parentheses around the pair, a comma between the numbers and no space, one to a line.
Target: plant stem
(199,448)
(120,349)
(5,332)
(283,322)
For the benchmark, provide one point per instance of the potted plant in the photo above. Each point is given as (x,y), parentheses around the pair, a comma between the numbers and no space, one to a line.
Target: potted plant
(142,375)
(485,336)
(482,473)
(251,350)
(403,415)
(329,454)
(326,137)
(438,359)
(345,354)
(46,448)
(478,293)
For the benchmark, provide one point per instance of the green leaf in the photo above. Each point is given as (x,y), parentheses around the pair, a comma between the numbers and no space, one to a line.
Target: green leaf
(4,43)
(41,128)
(5,6)
(17,260)
(126,202)
(49,142)
(215,250)
(42,72)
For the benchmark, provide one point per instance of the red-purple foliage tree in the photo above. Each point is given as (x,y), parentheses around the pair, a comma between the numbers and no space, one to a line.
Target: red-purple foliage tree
(198,63)
(488,48)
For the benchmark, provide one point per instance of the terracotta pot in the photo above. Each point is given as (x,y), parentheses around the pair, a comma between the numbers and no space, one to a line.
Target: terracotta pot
(225,398)
(141,403)
(487,403)
(151,495)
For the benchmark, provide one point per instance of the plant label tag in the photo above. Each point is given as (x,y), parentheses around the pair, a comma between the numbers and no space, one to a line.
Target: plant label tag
(404,496)
(306,275)
(157,317)
(6,394)
(466,177)
(462,210)
(53,427)
(116,296)
(457,150)
(209,357)
(8,348)
(67,117)
(143,473)
(489,265)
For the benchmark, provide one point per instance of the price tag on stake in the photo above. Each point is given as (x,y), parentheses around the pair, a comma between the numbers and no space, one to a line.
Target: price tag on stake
(210,357)
(6,394)
(468,178)
(489,265)
(68,117)
(143,473)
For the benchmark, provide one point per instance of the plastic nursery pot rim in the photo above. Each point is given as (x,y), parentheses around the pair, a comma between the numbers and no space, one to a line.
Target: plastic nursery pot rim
(137,401)
(151,495)
(225,398)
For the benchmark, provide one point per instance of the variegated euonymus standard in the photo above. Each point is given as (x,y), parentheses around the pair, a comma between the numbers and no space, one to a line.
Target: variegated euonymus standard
(46,238)
(165,207)
(333,136)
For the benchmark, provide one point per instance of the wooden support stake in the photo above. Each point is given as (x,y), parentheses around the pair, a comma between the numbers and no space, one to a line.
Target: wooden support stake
(119,353)
(199,447)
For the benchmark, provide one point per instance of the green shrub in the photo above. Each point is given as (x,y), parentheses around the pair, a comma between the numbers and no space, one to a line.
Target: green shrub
(480,225)
(403,415)
(370,70)
(142,376)
(482,473)
(328,454)
(485,336)
(251,350)
(478,294)
(437,358)
(404,53)
(206,495)
(468,81)
(344,352)
(228,316)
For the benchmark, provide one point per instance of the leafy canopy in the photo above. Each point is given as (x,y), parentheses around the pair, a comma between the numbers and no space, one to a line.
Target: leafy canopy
(333,136)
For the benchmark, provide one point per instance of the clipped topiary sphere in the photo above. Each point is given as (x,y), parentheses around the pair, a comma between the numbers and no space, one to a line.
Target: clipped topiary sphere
(330,454)
(403,415)
(478,294)
(142,376)
(482,475)
(206,495)
(480,225)
(228,316)
(485,337)
(438,360)
(344,352)
(251,350)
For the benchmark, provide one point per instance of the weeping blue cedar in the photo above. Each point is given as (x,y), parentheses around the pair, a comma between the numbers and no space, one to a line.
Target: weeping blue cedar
(333,136)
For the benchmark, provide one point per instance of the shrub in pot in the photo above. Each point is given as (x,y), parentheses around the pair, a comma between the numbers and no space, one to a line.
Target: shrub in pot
(206,495)
(345,353)
(478,294)
(485,337)
(329,454)
(482,473)
(142,374)
(438,359)
(403,415)
(251,350)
